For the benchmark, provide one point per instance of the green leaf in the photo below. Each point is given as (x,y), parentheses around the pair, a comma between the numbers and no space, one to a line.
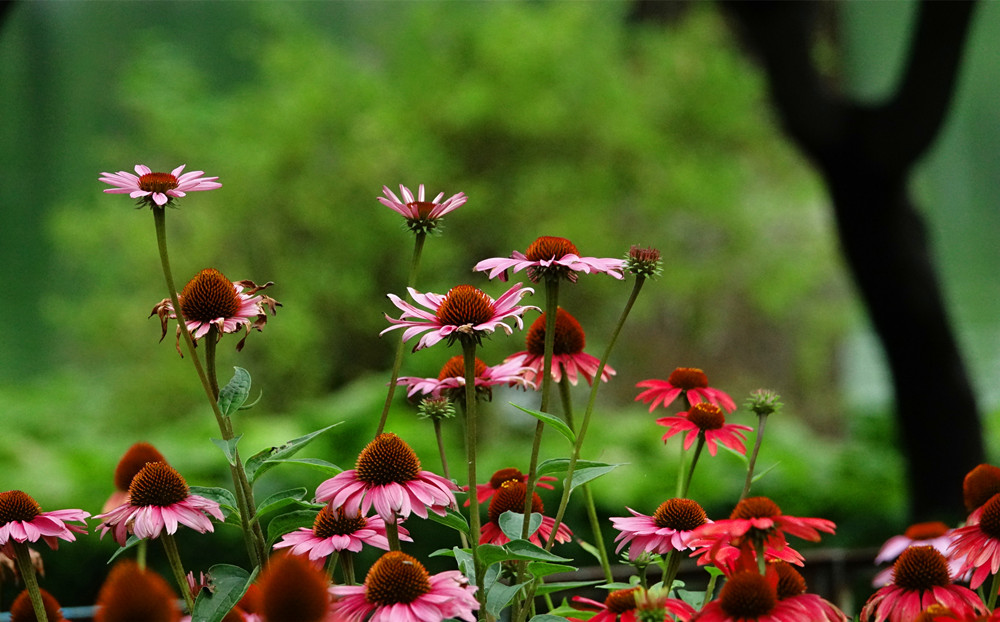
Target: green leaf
(327,468)
(544,569)
(235,393)
(222,496)
(287,522)
(549,588)
(228,447)
(267,459)
(511,524)
(552,420)
(228,585)
(452,518)
(548,617)
(129,543)
(279,500)
(585,470)
(590,548)
(757,476)
(500,595)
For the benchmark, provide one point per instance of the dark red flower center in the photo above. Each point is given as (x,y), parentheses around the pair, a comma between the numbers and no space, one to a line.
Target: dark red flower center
(209,296)
(989,517)
(643,255)
(510,497)
(455,368)
(387,459)
(747,595)
(569,337)
(157,182)
(21,610)
(621,601)
(396,578)
(423,208)
(131,593)
(503,475)
(755,507)
(17,506)
(293,590)
(790,582)
(549,247)
(921,568)
(159,484)
(688,378)
(132,462)
(926,531)
(330,522)
(706,416)
(464,304)
(680,515)
(979,485)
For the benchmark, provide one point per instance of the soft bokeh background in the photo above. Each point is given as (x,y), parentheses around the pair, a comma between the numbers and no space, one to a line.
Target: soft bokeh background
(555,118)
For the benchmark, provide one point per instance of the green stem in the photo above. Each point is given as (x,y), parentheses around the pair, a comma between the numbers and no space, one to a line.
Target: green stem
(670,567)
(392,534)
(22,554)
(174,558)
(347,561)
(469,354)
(761,421)
(331,564)
(994,587)
(694,462)
(397,362)
(140,554)
(709,589)
(441,452)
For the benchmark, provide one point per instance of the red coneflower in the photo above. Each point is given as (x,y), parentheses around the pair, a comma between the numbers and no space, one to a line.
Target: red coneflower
(568,356)
(689,381)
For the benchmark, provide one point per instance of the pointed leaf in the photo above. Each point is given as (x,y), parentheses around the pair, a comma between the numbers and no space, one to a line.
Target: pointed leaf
(452,518)
(279,500)
(228,585)
(235,393)
(511,524)
(524,550)
(549,588)
(129,543)
(228,447)
(585,470)
(288,522)
(327,468)
(551,420)
(265,460)
(548,617)
(499,596)
(222,496)
(544,569)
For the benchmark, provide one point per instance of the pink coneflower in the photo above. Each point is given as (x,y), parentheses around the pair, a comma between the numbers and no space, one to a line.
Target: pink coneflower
(706,420)
(510,497)
(938,613)
(920,579)
(399,589)
(978,543)
(130,464)
(338,530)
(567,353)
(210,299)
(158,500)
(421,216)
(485,491)
(791,589)
(22,610)
(750,596)
(463,312)
(550,257)
(22,520)
(157,189)
(934,533)
(451,380)
(293,589)
(689,381)
(668,529)
(633,605)
(387,476)
(132,593)
(979,486)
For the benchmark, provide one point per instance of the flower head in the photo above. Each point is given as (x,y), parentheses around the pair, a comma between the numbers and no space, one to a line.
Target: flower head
(708,421)
(567,353)
(643,261)
(451,380)
(158,500)
(211,300)
(435,408)
(668,529)
(978,543)
(22,520)
(387,476)
(293,589)
(336,529)
(920,579)
(157,189)
(421,216)
(464,312)
(131,593)
(933,533)
(690,381)
(791,589)
(550,257)
(510,497)
(749,595)
(979,485)
(618,605)
(399,589)
(22,610)
(763,402)
(485,491)
(128,466)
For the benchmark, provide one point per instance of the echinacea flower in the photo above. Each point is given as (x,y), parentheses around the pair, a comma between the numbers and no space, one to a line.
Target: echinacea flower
(550,257)
(706,420)
(668,529)
(791,589)
(644,262)
(387,476)
(158,500)
(618,606)
(338,530)
(748,595)
(689,381)
(128,466)
(157,189)
(510,497)
(938,613)
(920,579)
(485,491)
(399,589)
(421,215)
(211,300)
(979,485)
(933,533)
(464,312)
(22,610)
(132,593)
(568,356)
(293,589)
(979,543)
(451,380)
(22,520)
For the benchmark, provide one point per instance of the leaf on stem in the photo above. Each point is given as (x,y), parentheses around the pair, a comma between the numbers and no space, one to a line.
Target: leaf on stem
(452,518)
(228,447)
(551,420)
(511,523)
(235,393)
(265,460)
(228,585)
(288,522)
(585,471)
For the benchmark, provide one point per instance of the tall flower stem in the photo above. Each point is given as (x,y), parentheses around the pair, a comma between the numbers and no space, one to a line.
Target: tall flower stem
(392,534)
(23,556)
(418,248)
(252,533)
(471,434)
(694,462)
(441,452)
(761,421)
(174,558)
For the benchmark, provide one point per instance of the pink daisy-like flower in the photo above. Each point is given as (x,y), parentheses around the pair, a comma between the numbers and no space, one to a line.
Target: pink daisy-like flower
(791,589)
(421,215)
(550,257)
(485,491)
(337,530)
(706,420)
(211,300)
(978,543)
(157,189)
(920,579)
(750,596)
(934,533)
(22,520)
(451,381)
(510,497)
(158,500)
(464,312)
(567,353)
(399,589)
(130,463)
(668,529)
(689,381)
(387,476)
(628,605)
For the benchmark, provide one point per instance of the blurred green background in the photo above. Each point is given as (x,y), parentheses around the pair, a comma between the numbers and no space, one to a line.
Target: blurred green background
(555,118)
